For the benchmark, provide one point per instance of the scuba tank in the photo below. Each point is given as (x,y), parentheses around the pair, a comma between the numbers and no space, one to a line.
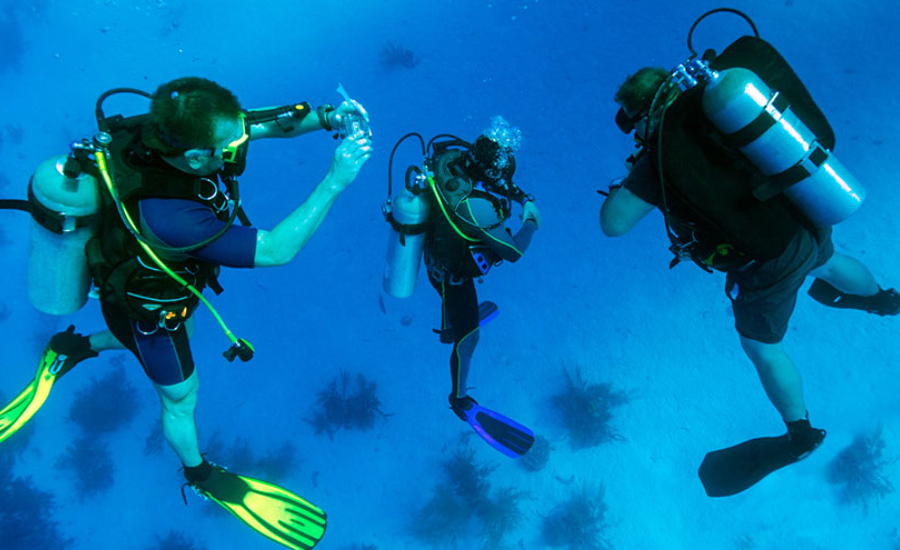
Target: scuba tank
(759,122)
(782,147)
(64,202)
(408,214)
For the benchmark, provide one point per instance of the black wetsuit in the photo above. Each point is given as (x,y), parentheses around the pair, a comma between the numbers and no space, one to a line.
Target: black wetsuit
(451,269)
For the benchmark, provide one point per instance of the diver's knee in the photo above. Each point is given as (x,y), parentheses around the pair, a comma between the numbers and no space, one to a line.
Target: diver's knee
(180,408)
(828,269)
(471,339)
(762,353)
(180,398)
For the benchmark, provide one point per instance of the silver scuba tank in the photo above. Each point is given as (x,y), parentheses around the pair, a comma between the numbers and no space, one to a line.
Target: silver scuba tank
(407,213)
(780,144)
(63,214)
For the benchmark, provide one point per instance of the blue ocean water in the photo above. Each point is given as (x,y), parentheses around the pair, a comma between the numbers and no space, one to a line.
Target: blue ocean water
(577,302)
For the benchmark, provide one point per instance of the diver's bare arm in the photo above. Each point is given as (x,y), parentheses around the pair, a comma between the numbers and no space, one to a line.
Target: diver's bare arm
(621,212)
(281,244)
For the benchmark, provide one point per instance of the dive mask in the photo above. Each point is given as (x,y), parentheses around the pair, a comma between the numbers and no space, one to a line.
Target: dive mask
(233,151)
(627,123)
(492,161)
(349,124)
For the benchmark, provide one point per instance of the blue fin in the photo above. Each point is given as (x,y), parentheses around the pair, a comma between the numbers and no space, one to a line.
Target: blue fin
(502,433)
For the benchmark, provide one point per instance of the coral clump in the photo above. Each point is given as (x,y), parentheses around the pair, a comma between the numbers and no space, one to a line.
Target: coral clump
(579,523)
(346,407)
(395,56)
(108,404)
(859,470)
(586,411)
(463,501)
(537,457)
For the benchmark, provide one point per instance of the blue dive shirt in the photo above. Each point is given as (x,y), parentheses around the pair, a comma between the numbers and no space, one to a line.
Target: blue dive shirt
(182,222)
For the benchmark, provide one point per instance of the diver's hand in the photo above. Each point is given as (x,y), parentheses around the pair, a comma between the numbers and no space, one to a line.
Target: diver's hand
(530,212)
(347,108)
(348,160)
(344,109)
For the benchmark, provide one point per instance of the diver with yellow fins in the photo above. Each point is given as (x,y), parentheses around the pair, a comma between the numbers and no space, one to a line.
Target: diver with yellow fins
(146,210)
(454,211)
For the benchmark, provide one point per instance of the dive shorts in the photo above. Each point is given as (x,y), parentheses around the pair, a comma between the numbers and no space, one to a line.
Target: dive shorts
(763,295)
(164,354)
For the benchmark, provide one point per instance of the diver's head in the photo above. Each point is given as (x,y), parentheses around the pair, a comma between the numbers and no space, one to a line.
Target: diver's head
(196,121)
(635,96)
(492,156)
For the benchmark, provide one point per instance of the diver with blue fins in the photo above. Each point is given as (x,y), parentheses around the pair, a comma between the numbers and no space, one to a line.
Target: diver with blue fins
(146,210)
(453,212)
(736,155)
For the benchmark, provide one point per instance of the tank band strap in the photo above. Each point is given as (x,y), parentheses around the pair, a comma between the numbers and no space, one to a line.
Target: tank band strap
(15,204)
(407,228)
(765,120)
(56,222)
(808,165)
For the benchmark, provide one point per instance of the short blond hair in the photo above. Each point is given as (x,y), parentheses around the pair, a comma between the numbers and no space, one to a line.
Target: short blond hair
(637,92)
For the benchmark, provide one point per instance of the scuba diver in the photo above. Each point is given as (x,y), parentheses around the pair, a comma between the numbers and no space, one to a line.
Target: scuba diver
(457,210)
(154,198)
(738,158)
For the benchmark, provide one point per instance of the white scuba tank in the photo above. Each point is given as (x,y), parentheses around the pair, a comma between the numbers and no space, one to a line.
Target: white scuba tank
(63,212)
(404,249)
(817,183)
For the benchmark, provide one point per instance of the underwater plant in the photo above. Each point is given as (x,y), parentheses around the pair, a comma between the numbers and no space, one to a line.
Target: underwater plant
(536,459)
(240,457)
(176,540)
(108,404)
(500,514)
(23,507)
(153,443)
(344,407)
(467,478)
(454,502)
(88,458)
(586,411)
(395,56)
(578,524)
(858,470)
(278,464)
(442,519)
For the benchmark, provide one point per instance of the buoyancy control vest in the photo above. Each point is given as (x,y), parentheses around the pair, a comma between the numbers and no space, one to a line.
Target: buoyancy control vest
(714,217)
(123,273)
(454,240)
